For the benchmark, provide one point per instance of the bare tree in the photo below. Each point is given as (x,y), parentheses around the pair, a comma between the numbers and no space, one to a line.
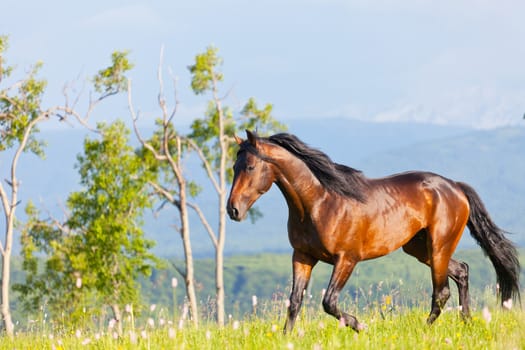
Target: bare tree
(213,140)
(167,147)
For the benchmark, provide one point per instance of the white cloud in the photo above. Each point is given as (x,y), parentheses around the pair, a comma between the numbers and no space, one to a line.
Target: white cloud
(477,107)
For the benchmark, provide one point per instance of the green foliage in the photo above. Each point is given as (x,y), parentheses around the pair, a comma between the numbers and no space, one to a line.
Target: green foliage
(20,106)
(109,214)
(206,131)
(204,71)
(5,71)
(49,282)
(97,255)
(260,120)
(112,79)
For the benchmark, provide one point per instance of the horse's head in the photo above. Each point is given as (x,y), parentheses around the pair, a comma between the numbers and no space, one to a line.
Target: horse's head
(252,177)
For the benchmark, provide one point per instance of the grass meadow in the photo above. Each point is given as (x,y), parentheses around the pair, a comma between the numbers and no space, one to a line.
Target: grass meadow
(389,326)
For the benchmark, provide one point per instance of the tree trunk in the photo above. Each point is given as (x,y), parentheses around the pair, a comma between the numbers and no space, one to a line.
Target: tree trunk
(219,279)
(117,314)
(188,255)
(6,274)
(222,214)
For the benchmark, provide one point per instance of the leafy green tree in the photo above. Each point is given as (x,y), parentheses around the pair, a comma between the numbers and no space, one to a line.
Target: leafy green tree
(108,216)
(100,251)
(212,137)
(51,280)
(21,112)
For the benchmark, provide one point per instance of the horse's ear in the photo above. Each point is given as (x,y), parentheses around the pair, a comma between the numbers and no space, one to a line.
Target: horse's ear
(252,137)
(238,139)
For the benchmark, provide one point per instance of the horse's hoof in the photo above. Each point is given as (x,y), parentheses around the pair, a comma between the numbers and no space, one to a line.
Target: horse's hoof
(361,327)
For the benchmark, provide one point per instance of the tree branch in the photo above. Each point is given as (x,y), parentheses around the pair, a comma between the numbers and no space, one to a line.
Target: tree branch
(205,223)
(206,164)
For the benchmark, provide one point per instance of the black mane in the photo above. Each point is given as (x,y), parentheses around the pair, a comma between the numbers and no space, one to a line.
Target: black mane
(335,177)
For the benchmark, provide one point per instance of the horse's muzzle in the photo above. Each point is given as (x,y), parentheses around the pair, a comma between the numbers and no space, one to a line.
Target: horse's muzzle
(233,212)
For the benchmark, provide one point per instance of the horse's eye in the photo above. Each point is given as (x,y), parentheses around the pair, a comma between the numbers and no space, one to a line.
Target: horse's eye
(250,167)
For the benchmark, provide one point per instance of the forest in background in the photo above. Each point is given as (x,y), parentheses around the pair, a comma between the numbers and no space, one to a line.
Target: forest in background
(268,277)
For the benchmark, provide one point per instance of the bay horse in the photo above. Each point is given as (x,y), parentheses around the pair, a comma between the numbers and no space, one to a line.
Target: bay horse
(340,217)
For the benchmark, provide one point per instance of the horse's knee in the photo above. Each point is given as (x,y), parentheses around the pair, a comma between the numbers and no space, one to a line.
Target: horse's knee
(330,306)
(463,273)
(442,296)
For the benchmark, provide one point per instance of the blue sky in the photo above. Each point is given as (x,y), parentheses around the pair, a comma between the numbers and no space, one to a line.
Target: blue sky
(444,62)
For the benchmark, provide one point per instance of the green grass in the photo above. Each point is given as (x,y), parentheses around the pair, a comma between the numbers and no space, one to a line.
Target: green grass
(387,329)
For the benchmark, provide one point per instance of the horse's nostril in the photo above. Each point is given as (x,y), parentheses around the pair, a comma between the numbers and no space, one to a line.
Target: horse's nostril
(233,212)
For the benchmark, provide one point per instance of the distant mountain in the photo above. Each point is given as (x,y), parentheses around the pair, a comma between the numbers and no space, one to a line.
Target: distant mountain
(491,161)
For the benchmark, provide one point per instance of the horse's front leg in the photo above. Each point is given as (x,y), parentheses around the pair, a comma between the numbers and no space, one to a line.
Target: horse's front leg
(343,268)
(302,270)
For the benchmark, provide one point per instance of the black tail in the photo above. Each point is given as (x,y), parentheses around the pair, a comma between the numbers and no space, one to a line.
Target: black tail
(500,250)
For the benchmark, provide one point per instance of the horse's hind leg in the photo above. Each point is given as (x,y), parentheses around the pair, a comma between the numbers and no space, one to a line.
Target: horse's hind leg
(342,270)
(457,271)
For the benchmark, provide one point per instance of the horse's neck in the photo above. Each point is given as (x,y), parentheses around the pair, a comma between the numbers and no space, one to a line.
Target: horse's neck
(298,185)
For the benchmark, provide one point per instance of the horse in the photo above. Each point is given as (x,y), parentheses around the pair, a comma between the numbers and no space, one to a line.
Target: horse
(340,217)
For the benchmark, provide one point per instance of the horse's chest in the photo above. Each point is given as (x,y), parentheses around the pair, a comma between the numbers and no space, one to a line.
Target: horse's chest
(308,239)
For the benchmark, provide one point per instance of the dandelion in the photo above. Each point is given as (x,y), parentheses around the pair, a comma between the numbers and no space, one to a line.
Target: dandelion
(152,307)
(86,341)
(151,322)
(254,300)
(236,325)
(380,286)
(133,337)
(274,328)
(171,333)
(78,282)
(174,283)
(507,304)
(486,314)
(128,308)
(289,346)
(78,334)
(185,311)
(144,335)
(112,323)
(388,300)
(208,335)
(162,322)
